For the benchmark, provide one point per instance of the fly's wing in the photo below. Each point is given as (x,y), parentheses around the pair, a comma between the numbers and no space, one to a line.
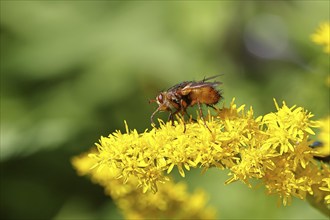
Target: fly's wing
(197,85)
(176,88)
(187,84)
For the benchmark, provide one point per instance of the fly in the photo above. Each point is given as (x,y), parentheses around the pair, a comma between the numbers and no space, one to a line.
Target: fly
(186,94)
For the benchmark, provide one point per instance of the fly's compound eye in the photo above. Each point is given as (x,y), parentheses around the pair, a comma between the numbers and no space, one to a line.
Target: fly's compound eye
(160,98)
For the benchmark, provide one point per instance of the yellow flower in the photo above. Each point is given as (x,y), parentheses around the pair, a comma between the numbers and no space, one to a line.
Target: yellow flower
(326,187)
(322,36)
(254,162)
(324,138)
(286,181)
(273,148)
(170,201)
(287,127)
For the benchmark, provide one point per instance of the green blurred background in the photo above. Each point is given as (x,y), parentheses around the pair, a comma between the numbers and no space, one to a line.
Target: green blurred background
(72,71)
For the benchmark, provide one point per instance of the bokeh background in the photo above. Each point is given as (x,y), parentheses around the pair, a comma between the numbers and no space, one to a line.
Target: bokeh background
(72,71)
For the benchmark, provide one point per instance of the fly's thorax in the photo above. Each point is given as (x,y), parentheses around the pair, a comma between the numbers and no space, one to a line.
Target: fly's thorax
(173,100)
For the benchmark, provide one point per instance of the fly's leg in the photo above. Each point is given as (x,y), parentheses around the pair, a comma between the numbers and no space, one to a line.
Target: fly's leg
(184,126)
(183,111)
(218,110)
(152,116)
(180,110)
(170,117)
(184,123)
(201,114)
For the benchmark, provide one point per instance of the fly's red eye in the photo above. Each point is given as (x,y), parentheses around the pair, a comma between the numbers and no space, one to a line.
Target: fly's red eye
(160,98)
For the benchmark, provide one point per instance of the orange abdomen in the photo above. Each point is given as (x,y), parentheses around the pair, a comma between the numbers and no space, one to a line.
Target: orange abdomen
(205,95)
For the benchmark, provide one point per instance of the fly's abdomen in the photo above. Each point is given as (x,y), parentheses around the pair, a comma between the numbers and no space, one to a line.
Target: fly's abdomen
(205,95)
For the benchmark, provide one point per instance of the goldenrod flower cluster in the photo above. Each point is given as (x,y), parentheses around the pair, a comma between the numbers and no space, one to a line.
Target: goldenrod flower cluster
(322,36)
(322,189)
(323,151)
(169,202)
(324,138)
(273,149)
